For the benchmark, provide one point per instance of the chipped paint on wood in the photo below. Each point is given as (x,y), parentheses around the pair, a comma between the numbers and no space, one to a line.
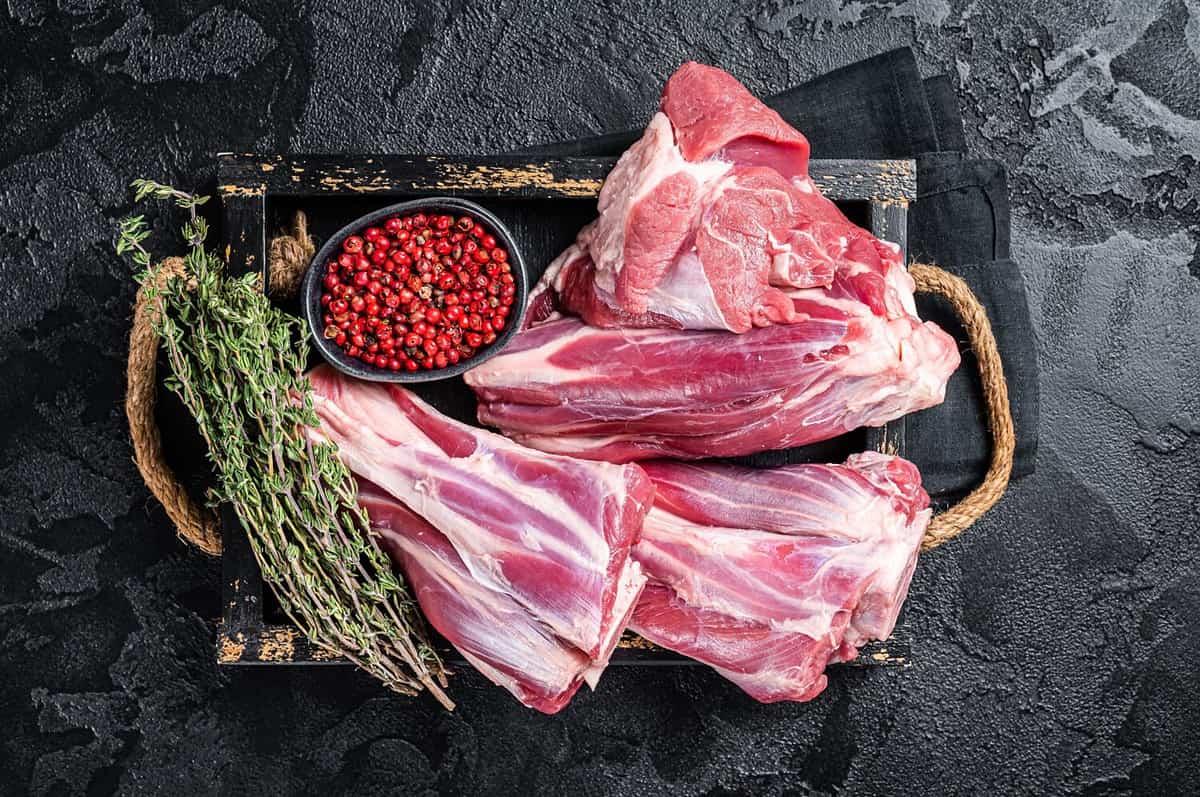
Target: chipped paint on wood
(271,645)
(243,190)
(449,176)
(325,654)
(580,177)
(333,183)
(885,656)
(632,641)
(277,644)
(229,649)
(463,177)
(458,177)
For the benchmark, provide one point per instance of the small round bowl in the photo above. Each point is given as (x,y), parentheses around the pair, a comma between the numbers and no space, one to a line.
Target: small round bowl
(310,291)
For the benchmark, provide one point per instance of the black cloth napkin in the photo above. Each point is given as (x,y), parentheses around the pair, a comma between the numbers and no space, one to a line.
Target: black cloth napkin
(961,222)
(882,108)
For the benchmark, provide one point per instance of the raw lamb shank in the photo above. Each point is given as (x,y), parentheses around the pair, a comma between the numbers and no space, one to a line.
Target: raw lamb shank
(619,394)
(513,553)
(488,627)
(711,223)
(771,575)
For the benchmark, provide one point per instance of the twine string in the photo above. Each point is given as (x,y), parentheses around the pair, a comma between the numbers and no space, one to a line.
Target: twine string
(955,520)
(194,523)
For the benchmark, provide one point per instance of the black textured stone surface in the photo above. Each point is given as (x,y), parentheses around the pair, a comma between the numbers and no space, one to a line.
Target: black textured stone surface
(1054,644)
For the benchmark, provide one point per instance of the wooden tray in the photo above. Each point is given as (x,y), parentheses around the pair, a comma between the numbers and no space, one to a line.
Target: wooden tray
(543,202)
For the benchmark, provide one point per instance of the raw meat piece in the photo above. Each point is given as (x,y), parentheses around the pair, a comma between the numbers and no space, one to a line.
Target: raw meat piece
(705,218)
(551,533)
(854,355)
(650,370)
(771,575)
(712,114)
(491,630)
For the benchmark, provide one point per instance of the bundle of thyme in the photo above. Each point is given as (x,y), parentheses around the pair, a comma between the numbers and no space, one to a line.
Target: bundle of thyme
(238,364)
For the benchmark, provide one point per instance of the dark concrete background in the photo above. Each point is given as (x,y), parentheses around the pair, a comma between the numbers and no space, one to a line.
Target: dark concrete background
(1054,645)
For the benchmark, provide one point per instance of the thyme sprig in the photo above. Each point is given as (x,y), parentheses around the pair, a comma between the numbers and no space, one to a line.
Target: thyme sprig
(237,363)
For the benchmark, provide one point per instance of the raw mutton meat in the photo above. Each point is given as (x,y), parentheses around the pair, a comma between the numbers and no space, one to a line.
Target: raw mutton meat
(492,630)
(718,306)
(754,244)
(707,220)
(628,394)
(770,575)
(513,553)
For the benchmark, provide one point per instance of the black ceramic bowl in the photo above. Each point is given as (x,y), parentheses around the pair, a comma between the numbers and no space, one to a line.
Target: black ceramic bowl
(310,292)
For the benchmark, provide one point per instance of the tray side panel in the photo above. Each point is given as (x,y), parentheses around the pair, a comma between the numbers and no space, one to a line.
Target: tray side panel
(242,594)
(508,176)
(889,222)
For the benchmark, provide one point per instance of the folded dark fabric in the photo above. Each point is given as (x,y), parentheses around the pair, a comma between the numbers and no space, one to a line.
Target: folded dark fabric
(943,109)
(960,222)
(948,442)
(961,214)
(882,108)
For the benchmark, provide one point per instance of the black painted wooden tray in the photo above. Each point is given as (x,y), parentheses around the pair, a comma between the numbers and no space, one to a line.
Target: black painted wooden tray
(543,203)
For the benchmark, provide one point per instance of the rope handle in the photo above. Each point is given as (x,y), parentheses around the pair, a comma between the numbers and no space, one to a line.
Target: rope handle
(289,256)
(194,523)
(956,519)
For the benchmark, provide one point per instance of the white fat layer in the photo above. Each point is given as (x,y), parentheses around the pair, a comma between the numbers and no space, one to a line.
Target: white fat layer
(654,158)
(820,500)
(629,588)
(686,295)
